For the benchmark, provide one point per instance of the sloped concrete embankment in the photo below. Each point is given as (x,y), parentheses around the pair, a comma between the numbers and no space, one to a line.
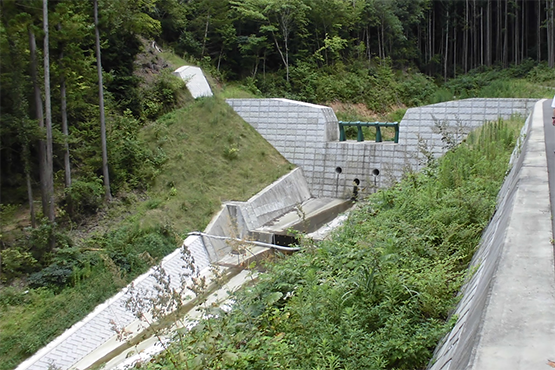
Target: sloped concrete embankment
(505,317)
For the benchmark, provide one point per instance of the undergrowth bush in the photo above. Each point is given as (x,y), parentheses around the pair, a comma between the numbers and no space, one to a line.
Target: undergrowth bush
(379,294)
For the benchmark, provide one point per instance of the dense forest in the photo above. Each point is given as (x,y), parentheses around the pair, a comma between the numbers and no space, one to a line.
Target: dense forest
(72,101)
(66,65)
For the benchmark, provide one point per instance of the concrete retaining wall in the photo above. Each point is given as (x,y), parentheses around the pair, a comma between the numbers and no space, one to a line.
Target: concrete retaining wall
(238,219)
(307,135)
(456,349)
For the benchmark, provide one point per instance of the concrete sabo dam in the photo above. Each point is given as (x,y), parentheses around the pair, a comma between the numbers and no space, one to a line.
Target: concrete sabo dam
(510,260)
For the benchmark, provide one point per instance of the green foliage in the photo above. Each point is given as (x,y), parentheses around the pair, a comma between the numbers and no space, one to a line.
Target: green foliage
(518,81)
(16,261)
(53,276)
(416,89)
(164,94)
(85,197)
(133,164)
(376,85)
(376,296)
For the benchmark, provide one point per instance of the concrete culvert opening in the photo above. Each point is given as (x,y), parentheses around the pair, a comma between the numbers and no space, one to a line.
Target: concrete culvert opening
(375,172)
(338,170)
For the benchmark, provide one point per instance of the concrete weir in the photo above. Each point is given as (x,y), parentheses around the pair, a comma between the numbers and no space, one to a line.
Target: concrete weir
(307,135)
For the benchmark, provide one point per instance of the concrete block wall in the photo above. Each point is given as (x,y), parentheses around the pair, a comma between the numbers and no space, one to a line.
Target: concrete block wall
(307,135)
(457,117)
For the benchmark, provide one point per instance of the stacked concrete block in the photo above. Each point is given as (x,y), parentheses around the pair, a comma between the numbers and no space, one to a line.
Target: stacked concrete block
(427,125)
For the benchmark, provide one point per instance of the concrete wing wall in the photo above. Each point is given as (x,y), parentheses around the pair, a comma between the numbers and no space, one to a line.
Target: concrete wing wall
(238,219)
(195,80)
(437,124)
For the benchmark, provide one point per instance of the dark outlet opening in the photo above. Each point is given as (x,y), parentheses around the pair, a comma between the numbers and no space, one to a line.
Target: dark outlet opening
(285,240)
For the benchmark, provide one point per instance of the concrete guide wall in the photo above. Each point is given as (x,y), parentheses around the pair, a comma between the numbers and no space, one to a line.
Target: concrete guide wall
(94,331)
(238,219)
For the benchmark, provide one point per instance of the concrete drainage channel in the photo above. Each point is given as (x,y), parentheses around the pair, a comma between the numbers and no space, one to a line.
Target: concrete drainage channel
(242,232)
(313,215)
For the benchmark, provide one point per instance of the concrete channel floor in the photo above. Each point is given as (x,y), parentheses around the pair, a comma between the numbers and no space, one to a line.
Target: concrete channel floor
(518,325)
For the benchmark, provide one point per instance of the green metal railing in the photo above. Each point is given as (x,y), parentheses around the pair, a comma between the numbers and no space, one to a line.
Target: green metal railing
(360,125)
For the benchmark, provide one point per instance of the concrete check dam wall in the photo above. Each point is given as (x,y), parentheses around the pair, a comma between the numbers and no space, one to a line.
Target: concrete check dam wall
(307,135)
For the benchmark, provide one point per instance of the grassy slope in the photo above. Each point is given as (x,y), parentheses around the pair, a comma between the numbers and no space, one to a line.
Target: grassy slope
(213,156)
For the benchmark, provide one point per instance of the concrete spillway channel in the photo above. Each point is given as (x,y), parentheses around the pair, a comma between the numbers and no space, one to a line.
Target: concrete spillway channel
(123,330)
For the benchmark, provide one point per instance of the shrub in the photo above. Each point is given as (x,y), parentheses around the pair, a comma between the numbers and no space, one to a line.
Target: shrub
(16,261)
(54,276)
(84,197)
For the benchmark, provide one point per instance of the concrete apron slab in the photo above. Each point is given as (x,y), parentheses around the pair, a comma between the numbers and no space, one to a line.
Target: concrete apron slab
(308,217)
(518,330)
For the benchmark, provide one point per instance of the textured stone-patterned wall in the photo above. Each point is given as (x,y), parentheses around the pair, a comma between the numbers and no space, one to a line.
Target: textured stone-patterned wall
(307,136)
(457,117)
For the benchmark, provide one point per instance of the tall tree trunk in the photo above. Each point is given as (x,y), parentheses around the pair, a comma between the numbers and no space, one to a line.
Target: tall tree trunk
(539,32)
(65,131)
(107,192)
(455,45)
(21,112)
(515,36)
(465,39)
(48,116)
(205,33)
(506,36)
(446,53)
(524,39)
(499,38)
(43,164)
(550,28)
(489,31)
